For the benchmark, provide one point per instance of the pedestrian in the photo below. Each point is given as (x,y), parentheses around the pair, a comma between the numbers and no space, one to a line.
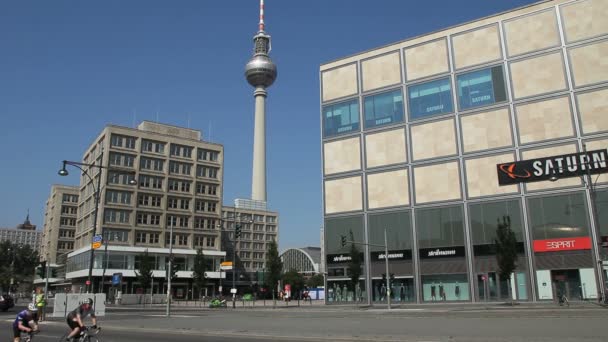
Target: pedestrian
(40,304)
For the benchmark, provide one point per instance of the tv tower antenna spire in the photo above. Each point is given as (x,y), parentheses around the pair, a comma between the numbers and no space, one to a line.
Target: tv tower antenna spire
(260,72)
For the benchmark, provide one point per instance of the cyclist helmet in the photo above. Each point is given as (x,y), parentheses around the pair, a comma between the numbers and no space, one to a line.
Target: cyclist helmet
(32,307)
(89,301)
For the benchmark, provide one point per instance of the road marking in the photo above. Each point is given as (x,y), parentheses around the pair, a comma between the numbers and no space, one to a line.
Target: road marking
(176,316)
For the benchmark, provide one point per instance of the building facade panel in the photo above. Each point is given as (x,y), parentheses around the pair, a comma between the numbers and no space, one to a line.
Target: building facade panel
(545,120)
(426,59)
(592,108)
(589,64)
(584,19)
(381,71)
(437,183)
(339,82)
(343,195)
(433,139)
(342,155)
(481,176)
(538,75)
(385,148)
(387,189)
(486,130)
(485,42)
(531,33)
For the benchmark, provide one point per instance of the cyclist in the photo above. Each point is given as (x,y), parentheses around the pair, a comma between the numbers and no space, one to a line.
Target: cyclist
(75,318)
(27,321)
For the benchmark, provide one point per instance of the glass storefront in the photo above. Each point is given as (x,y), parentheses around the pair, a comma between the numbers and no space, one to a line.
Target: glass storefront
(444,287)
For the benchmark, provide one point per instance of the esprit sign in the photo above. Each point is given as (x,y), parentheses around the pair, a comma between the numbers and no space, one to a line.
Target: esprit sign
(564,166)
(563,244)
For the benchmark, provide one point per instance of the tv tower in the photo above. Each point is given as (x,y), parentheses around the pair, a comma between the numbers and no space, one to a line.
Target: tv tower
(260,72)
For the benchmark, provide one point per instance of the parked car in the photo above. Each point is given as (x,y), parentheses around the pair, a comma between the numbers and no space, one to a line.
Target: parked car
(6,302)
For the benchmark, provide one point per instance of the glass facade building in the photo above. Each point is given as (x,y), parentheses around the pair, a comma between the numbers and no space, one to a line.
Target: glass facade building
(438,113)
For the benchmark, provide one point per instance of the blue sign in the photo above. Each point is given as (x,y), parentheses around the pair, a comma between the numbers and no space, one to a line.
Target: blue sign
(97,238)
(116,279)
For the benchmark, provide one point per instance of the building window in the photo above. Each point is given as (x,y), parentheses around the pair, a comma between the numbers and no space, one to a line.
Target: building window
(341,118)
(151,164)
(210,241)
(383,109)
(152,146)
(560,216)
(119,178)
(120,159)
(67,221)
(117,235)
(118,197)
(440,227)
(484,218)
(68,210)
(207,155)
(481,88)
(151,182)
(181,151)
(430,98)
(116,216)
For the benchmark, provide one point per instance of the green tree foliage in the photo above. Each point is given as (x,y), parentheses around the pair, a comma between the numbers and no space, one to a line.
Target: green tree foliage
(144,271)
(274,267)
(506,250)
(316,281)
(199,269)
(17,262)
(354,266)
(295,279)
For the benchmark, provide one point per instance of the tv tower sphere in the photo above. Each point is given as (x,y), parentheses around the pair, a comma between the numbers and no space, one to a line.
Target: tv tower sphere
(260,71)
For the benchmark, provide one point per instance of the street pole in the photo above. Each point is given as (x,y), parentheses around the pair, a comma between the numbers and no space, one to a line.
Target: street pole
(105,240)
(46,286)
(169,270)
(92,256)
(388,285)
(233,290)
(598,233)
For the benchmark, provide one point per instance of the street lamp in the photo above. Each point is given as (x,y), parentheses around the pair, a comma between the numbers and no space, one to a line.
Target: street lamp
(64,172)
(590,184)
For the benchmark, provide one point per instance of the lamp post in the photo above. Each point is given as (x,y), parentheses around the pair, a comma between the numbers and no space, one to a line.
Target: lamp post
(169,270)
(96,189)
(590,184)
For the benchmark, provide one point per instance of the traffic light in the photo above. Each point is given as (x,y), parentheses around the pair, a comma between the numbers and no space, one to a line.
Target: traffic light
(343,240)
(42,270)
(237,231)
(172,272)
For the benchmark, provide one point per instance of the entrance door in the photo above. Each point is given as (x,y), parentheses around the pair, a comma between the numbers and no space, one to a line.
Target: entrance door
(567,282)
(488,287)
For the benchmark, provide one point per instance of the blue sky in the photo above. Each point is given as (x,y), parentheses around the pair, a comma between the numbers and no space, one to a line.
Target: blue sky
(68,68)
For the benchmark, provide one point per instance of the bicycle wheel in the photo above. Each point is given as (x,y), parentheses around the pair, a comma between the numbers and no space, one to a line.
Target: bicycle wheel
(92,339)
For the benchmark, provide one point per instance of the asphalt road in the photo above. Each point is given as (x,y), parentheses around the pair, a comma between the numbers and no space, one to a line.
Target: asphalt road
(436,324)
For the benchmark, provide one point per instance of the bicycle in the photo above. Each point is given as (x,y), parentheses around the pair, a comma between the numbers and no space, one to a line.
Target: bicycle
(28,336)
(562,299)
(87,335)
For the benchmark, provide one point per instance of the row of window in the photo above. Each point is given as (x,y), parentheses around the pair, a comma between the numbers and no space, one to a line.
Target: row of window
(550,217)
(65,245)
(66,233)
(67,221)
(158,147)
(68,210)
(248,217)
(474,89)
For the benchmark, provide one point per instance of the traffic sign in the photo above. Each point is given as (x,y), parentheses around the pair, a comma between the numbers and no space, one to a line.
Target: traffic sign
(226,265)
(232,290)
(88,282)
(97,241)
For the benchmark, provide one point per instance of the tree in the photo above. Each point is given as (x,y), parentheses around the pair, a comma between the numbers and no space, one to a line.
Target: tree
(354,266)
(295,279)
(198,271)
(17,262)
(316,281)
(274,267)
(144,271)
(506,251)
